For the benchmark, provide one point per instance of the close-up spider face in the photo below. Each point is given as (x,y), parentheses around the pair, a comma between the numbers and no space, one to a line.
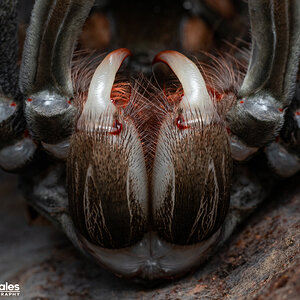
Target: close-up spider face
(137,151)
(133,127)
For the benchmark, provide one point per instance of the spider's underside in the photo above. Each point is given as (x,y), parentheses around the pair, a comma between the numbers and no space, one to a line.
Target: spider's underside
(136,166)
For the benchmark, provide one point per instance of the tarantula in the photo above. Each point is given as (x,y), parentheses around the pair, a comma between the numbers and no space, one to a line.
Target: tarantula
(144,173)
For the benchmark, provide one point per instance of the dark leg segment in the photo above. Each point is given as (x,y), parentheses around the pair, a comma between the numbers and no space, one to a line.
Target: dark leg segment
(16,150)
(8,48)
(270,80)
(45,76)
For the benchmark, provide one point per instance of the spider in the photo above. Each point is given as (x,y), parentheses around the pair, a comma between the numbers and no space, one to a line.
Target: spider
(148,160)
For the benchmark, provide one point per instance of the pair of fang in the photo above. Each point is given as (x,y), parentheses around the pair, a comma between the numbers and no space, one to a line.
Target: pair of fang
(195,98)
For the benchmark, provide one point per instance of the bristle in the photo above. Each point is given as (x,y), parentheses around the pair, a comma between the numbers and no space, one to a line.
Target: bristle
(223,74)
(148,103)
(120,94)
(84,64)
(147,110)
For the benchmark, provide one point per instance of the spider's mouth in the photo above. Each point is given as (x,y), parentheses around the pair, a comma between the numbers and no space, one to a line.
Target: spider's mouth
(151,258)
(159,162)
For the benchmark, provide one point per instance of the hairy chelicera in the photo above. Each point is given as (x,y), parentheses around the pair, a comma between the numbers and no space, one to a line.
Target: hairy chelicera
(123,196)
(192,166)
(106,170)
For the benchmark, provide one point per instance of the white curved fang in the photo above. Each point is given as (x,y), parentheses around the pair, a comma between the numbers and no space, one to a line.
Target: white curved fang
(98,100)
(196,96)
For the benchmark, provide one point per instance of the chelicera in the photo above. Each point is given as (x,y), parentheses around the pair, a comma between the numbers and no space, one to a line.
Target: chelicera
(143,173)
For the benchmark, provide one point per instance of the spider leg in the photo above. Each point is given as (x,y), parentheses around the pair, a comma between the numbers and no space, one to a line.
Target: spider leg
(45,75)
(269,85)
(16,149)
(284,154)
